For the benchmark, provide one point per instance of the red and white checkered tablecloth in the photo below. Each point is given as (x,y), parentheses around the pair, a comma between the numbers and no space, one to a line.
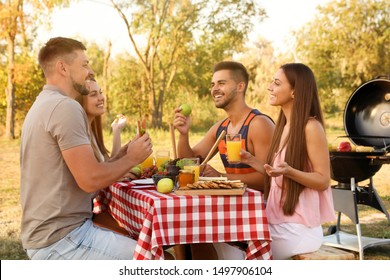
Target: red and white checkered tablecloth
(156,219)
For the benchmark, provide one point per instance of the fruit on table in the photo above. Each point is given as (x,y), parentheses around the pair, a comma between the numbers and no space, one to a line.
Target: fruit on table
(172,167)
(179,163)
(148,172)
(172,170)
(344,147)
(186,109)
(165,185)
(136,171)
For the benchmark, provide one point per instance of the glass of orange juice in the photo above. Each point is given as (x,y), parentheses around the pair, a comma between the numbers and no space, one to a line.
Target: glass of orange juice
(161,157)
(233,145)
(147,163)
(192,164)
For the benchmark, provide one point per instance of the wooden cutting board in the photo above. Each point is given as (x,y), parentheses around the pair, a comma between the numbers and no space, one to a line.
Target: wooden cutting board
(237,191)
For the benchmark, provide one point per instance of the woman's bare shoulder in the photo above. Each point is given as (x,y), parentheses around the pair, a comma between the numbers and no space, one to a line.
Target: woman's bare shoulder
(313,126)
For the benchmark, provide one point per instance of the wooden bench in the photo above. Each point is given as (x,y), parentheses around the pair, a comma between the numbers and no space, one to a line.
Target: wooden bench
(326,253)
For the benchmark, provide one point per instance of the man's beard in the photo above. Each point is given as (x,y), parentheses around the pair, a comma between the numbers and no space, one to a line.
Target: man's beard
(226,102)
(80,88)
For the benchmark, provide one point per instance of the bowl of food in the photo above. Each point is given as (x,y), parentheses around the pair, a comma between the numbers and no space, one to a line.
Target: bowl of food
(158,177)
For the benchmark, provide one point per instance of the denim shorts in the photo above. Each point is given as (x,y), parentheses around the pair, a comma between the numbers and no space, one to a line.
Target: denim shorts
(87,242)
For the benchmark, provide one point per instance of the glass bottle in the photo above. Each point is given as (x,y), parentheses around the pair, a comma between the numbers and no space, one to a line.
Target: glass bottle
(186,177)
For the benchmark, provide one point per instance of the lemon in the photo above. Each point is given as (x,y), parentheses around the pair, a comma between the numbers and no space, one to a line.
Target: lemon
(165,185)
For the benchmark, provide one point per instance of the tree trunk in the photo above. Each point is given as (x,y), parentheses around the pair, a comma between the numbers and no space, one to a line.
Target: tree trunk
(10,92)
(157,110)
(157,116)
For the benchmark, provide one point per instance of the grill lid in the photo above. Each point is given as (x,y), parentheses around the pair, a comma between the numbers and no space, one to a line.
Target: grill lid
(367,114)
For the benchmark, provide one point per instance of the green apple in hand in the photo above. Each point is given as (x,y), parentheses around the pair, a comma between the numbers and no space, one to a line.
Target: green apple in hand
(165,185)
(186,109)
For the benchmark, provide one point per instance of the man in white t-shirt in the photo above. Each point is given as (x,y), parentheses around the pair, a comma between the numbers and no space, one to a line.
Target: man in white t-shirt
(59,171)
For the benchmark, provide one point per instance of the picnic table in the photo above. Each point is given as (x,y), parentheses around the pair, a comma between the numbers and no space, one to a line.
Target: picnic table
(156,220)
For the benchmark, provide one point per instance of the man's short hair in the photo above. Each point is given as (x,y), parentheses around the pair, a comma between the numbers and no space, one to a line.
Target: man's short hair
(56,47)
(238,70)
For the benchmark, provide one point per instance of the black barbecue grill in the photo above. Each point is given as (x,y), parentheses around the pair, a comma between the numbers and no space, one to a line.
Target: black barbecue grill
(358,165)
(367,123)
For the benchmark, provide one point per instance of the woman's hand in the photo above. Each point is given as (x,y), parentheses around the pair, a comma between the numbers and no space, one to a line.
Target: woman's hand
(119,123)
(282,169)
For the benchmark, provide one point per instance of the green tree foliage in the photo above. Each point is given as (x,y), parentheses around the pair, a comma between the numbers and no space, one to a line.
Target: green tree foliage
(29,81)
(346,45)
(262,64)
(18,22)
(96,57)
(172,32)
(126,88)
(10,19)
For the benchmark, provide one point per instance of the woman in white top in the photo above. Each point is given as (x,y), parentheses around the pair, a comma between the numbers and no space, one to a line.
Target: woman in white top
(93,104)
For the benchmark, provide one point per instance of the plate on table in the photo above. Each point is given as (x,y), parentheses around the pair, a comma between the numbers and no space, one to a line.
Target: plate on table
(147,181)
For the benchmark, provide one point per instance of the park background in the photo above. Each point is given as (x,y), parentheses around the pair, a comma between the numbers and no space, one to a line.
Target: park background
(164,56)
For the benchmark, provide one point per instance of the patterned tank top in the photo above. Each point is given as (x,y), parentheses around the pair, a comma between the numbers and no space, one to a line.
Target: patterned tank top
(237,168)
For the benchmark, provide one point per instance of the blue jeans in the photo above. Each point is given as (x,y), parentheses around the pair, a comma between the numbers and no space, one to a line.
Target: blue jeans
(87,242)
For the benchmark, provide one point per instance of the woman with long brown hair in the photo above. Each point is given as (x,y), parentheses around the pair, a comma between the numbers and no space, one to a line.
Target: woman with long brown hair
(93,105)
(297,188)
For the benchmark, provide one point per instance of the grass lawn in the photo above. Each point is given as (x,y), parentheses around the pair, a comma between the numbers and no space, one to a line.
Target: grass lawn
(374,223)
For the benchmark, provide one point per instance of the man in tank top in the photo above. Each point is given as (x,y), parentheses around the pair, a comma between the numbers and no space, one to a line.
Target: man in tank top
(228,87)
